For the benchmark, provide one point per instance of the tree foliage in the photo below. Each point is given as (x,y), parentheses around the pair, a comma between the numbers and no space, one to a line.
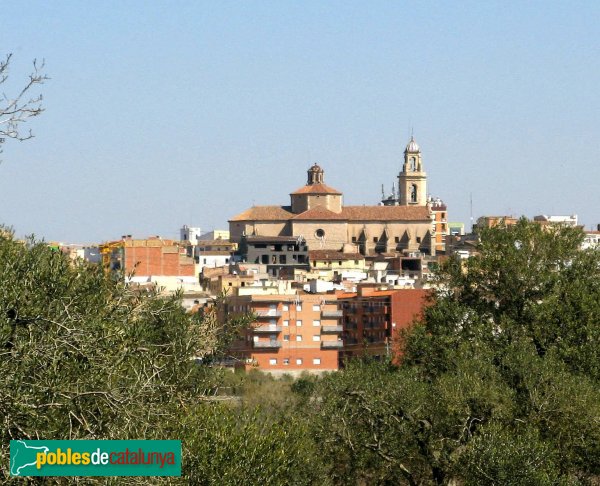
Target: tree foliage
(84,356)
(499,382)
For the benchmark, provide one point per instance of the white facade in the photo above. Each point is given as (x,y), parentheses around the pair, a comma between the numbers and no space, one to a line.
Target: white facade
(591,240)
(210,260)
(187,233)
(167,283)
(566,220)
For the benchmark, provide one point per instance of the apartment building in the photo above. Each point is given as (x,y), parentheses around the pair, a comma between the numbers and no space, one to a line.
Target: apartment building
(372,318)
(293,332)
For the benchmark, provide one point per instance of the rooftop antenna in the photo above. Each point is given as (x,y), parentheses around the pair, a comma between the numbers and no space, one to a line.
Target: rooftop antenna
(471,204)
(382,192)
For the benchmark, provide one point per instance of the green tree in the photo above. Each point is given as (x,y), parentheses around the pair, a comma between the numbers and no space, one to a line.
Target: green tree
(84,356)
(498,384)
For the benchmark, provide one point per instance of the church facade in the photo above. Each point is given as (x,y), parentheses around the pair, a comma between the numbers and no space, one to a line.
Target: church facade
(317,214)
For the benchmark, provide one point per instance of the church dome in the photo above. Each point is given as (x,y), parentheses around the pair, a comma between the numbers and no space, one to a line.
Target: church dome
(412,146)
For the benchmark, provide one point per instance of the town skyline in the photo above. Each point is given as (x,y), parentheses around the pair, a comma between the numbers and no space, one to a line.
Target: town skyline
(195,112)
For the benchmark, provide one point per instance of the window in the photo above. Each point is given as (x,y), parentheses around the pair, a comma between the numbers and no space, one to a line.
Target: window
(298,337)
(298,361)
(286,323)
(418,239)
(299,308)
(316,338)
(273,361)
(286,337)
(204,261)
(397,239)
(374,239)
(316,361)
(286,361)
(320,233)
(226,260)
(286,307)
(316,323)
(354,239)
(316,307)
(299,323)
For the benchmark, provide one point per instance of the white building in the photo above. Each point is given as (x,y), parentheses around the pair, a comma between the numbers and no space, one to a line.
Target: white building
(187,233)
(565,220)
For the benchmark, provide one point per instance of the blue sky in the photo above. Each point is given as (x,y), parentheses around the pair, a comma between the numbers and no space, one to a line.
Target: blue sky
(161,114)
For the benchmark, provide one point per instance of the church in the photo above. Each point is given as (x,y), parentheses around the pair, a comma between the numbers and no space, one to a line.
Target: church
(401,224)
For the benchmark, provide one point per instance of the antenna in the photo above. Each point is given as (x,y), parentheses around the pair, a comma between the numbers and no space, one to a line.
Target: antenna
(382,192)
(471,203)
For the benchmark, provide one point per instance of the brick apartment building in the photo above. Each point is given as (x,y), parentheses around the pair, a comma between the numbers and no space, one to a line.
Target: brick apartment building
(153,263)
(292,333)
(372,318)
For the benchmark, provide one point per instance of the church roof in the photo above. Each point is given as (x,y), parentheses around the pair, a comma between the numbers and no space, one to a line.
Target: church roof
(319,213)
(319,188)
(272,213)
(349,213)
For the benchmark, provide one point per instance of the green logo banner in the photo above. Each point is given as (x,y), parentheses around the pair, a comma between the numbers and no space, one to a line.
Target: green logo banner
(95,458)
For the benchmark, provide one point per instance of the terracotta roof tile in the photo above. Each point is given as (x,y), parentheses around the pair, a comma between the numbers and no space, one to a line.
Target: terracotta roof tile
(316,189)
(349,213)
(320,213)
(272,213)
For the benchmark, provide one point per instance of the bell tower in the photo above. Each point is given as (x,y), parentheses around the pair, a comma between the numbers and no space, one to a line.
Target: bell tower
(412,181)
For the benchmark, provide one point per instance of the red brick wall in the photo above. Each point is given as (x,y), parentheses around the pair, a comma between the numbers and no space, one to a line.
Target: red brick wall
(157,260)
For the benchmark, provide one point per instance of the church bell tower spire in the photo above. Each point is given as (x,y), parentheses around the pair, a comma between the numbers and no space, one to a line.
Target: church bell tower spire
(412,181)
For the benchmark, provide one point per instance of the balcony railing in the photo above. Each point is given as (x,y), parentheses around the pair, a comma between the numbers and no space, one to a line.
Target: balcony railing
(332,344)
(267,344)
(332,313)
(262,314)
(267,328)
(331,329)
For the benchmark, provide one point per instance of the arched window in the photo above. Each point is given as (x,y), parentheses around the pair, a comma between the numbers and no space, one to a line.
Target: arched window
(413,164)
(413,193)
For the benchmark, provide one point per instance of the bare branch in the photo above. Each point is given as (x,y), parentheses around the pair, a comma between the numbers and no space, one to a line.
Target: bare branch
(17,110)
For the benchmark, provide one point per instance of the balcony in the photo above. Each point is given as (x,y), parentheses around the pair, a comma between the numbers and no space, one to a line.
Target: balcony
(335,329)
(332,344)
(266,344)
(267,314)
(332,313)
(267,328)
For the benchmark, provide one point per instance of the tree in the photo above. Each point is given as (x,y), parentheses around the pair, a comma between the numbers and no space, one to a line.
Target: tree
(497,385)
(82,355)
(17,109)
